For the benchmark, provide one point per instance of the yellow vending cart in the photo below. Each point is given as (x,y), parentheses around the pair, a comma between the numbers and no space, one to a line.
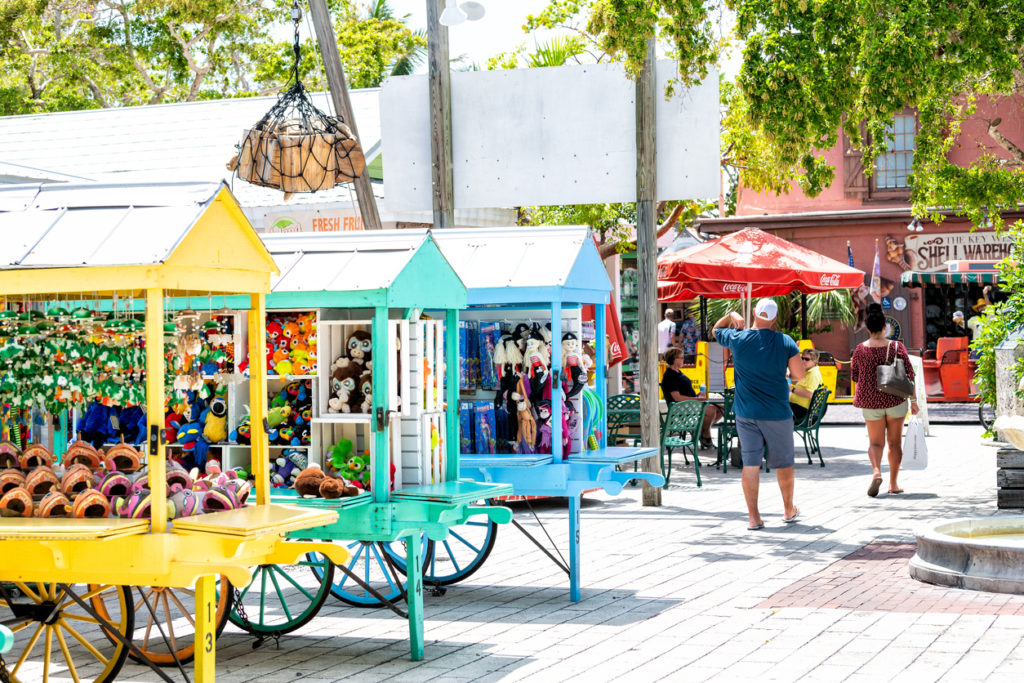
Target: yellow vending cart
(76,585)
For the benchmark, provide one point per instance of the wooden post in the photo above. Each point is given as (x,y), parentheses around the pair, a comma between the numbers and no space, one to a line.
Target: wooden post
(646,266)
(803,315)
(440,78)
(339,96)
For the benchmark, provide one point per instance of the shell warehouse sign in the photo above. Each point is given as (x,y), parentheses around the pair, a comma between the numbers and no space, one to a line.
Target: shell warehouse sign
(930,252)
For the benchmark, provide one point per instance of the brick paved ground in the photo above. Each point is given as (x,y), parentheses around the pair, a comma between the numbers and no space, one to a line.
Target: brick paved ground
(685,592)
(876,578)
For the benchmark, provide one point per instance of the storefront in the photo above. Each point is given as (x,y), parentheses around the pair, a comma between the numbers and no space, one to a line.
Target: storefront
(908,259)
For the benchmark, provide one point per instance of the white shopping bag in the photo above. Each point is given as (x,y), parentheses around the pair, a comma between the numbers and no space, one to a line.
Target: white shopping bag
(915,450)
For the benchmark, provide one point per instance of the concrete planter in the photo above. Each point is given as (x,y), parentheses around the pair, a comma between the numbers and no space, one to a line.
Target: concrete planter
(963,554)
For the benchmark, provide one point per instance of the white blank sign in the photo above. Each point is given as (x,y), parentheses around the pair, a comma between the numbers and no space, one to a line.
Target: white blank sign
(557,135)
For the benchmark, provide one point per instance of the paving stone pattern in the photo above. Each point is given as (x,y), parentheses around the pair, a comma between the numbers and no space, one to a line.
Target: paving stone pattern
(684,592)
(876,578)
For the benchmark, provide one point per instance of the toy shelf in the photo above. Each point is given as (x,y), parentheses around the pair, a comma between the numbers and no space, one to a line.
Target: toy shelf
(353,418)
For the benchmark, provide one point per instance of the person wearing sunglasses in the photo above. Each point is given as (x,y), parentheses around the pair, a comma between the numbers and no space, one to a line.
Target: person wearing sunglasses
(801,393)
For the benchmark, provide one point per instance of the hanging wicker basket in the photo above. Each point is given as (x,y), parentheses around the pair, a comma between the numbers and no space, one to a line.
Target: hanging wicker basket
(295,147)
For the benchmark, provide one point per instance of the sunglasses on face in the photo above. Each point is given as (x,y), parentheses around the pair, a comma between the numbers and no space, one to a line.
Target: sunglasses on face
(805,358)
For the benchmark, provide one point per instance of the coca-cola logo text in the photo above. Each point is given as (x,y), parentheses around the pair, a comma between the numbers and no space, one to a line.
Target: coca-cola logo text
(734,287)
(830,280)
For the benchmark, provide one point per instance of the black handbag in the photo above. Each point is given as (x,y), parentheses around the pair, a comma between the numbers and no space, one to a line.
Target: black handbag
(891,378)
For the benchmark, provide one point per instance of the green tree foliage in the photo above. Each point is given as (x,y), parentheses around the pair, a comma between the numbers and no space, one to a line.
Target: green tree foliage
(823,311)
(813,66)
(1002,319)
(75,54)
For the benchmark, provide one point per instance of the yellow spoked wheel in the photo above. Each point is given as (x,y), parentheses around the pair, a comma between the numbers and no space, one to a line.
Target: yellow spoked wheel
(170,628)
(56,637)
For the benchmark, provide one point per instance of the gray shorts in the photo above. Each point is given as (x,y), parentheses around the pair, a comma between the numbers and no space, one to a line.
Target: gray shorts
(771,437)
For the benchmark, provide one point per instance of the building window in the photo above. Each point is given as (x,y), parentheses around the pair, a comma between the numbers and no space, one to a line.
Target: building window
(892,168)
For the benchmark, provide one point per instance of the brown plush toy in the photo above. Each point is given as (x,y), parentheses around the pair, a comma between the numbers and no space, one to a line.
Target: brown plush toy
(332,487)
(309,480)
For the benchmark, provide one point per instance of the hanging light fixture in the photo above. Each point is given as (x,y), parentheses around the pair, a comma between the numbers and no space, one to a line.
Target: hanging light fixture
(474,10)
(915,225)
(452,14)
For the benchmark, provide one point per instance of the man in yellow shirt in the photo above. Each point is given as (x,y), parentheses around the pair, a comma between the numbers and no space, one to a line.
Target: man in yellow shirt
(801,393)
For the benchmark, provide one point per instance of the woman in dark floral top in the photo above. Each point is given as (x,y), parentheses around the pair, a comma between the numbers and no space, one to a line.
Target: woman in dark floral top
(883,413)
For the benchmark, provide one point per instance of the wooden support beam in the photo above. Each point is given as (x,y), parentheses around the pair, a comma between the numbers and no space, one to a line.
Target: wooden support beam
(440,79)
(646,266)
(343,105)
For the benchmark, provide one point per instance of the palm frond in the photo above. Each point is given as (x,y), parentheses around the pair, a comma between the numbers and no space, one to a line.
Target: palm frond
(555,52)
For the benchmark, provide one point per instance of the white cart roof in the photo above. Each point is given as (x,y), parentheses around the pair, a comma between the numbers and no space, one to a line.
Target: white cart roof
(373,268)
(526,265)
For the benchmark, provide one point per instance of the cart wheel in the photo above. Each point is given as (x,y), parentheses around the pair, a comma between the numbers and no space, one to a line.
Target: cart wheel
(60,638)
(369,564)
(282,598)
(174,609)
(986,415)
(462,553)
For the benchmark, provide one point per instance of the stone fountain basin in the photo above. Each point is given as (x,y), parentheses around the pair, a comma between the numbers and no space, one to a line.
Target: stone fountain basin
(976,553)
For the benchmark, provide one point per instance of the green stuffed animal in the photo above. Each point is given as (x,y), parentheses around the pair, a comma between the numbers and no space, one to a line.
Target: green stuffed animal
(354,467)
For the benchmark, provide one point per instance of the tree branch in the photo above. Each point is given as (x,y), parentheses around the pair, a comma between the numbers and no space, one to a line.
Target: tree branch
(611,248)
(1016,152)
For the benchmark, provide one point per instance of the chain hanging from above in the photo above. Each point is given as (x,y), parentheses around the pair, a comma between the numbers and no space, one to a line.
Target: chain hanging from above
(296,147)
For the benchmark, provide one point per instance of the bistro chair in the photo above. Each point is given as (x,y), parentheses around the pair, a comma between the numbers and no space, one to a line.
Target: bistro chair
(623,414)
(808,427)
(681,430)
(726,429)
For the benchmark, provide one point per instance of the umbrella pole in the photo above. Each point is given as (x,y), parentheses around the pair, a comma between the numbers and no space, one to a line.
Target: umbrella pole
(803,315)
(703,318)
(749,303)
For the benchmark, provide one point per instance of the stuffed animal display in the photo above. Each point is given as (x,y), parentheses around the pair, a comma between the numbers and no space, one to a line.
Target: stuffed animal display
(352,376)
(288,417)
(521,409)
(291,343)
(312,482)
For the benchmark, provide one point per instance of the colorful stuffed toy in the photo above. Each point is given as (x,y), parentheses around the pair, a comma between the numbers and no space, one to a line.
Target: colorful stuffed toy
(215,421)
(343,386)
(359,348)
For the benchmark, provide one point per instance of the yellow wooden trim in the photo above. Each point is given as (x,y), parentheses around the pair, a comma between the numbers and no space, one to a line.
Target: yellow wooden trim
(150,559)
(206,630)
(39,529)
(231,203)
(260,449)
(222,239)
(177,280)
(254,520)
(155,406)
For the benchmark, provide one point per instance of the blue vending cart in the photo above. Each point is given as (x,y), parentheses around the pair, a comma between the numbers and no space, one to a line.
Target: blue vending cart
(534,283)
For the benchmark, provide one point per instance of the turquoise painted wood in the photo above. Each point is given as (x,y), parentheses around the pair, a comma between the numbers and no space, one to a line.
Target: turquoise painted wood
(569,273)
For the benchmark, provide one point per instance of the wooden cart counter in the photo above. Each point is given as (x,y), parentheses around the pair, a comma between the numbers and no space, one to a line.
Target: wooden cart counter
(122,552)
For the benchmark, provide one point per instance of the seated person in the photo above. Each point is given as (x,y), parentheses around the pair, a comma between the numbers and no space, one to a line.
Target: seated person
(801,393)
(677,387)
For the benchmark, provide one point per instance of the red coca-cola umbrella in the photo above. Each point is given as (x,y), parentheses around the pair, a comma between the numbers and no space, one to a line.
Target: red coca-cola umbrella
(752,257)
(716,289)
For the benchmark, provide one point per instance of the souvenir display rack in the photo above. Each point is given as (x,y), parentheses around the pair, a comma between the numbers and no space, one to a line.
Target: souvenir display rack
(144,241)
(544,274)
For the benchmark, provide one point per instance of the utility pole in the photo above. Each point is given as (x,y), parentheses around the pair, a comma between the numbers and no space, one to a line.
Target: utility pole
(342,104)
(646,265)
(440,79)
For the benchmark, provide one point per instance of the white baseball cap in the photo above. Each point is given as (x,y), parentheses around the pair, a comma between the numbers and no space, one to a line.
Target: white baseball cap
(766,309)
(958,315)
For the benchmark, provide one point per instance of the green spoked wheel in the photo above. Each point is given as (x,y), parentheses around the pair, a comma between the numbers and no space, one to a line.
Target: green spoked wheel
(56,637)
(376,565)
(282,598)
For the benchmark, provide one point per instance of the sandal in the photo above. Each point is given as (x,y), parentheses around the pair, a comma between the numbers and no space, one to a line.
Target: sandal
(54,504)
(9,455)
(135,506)
(90,503)
(184,503)
(114,485)
(41,481)
(16,503)
(77,479)
(10,479)
(36,455)
(82,452)
(220,499)
(876,483)
(123,458)
(893,492)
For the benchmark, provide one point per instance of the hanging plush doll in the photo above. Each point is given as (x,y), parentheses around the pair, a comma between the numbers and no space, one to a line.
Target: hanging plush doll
(574,370)
(535,369)
(544,427)
(526,436)
(520,335)
(359,348)
(570,420)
